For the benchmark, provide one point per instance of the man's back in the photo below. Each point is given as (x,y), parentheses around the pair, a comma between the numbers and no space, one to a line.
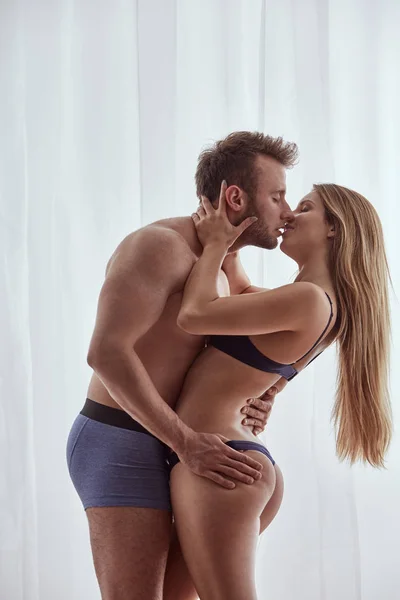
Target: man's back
(165,350)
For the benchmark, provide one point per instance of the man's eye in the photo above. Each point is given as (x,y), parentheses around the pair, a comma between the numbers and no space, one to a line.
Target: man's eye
(276,200)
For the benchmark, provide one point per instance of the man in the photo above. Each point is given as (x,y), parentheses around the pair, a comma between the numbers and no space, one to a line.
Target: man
(140,358)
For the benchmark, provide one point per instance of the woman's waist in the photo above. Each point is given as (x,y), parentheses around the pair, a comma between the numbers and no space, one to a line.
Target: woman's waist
(209,417)
(120,419)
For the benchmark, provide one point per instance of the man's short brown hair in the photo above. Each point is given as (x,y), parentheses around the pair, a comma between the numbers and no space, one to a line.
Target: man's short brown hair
(233,159)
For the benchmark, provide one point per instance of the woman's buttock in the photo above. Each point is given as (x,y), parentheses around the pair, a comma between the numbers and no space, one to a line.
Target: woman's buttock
(188,489)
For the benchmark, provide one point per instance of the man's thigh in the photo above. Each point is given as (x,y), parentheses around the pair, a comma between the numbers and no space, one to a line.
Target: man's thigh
(130,549)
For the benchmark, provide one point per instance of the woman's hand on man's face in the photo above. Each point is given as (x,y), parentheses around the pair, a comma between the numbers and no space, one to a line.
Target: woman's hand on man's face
(213,225)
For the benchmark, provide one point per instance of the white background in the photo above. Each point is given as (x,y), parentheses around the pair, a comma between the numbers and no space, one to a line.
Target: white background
(104,107)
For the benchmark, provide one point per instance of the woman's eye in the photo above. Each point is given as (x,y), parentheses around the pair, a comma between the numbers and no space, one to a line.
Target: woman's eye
(304,209)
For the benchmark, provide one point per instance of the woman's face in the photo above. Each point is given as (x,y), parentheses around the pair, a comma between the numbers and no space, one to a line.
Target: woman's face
(307,232)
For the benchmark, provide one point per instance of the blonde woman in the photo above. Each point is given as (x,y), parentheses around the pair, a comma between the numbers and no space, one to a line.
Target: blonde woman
(261,339)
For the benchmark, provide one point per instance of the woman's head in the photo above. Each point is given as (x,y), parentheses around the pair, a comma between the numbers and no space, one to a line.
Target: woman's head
(345,226)
(309,231)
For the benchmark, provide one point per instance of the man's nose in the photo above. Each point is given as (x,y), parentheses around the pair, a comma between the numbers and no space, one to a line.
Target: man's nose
(287,214)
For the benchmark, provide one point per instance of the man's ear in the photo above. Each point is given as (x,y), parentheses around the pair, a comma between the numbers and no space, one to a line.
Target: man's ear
(236,198)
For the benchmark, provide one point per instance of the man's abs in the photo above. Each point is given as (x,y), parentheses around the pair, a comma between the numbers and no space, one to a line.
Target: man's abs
(166,353)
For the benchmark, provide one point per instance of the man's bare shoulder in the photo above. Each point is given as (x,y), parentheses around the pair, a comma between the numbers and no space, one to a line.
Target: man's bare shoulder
(154,247)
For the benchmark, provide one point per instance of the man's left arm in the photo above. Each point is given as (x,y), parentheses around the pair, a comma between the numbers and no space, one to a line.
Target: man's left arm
(258,410)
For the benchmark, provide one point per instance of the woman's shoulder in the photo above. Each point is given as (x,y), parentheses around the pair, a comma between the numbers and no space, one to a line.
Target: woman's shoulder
(301,291)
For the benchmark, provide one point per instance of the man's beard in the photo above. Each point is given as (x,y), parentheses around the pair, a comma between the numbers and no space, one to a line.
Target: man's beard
(258,234)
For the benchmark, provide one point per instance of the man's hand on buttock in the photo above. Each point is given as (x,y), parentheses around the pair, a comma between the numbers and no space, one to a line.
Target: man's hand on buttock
(208,455)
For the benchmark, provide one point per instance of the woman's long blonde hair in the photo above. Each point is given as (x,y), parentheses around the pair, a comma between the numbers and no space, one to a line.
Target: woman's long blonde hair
(359,269)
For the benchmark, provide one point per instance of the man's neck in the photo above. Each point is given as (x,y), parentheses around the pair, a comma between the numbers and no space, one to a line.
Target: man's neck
(185,226)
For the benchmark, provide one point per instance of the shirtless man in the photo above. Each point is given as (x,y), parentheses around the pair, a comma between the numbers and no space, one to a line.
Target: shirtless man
(119,444)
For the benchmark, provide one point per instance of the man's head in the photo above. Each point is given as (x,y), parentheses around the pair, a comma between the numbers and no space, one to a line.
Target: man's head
(254,167)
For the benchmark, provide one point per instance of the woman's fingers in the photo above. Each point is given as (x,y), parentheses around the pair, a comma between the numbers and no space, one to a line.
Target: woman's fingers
(206,205)
(198,215)
(215,224)
(222,199)
(245,224)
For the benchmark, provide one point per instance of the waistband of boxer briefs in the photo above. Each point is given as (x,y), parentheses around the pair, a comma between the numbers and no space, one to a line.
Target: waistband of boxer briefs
(112,416)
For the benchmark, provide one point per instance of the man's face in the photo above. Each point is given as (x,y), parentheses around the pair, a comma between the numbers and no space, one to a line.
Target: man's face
(269,205)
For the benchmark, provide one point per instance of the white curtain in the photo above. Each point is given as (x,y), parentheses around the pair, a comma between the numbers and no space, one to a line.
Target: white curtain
(104,107)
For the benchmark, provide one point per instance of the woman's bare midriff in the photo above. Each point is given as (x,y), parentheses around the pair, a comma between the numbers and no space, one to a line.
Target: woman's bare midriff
(216,388)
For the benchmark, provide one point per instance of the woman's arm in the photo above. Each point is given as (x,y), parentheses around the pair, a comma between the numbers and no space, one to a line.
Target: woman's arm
(203,312)
(287,308)
(239,282)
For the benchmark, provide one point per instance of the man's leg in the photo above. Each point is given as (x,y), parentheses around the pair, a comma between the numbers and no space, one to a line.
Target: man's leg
(122,478)
(130,550)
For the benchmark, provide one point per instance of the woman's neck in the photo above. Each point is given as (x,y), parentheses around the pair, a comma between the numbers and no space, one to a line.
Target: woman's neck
(315,270)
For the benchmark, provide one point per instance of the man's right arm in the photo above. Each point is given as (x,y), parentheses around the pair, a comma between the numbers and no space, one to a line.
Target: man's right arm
(138,284)
(136,289)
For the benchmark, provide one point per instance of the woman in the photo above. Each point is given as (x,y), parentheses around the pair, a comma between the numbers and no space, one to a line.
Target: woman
(256,340)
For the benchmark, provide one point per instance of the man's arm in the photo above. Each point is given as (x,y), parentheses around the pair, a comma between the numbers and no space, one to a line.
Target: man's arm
(259,409)
(138,284)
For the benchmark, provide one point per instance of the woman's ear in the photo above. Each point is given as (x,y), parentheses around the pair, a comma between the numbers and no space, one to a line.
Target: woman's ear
(331,232)
(235,198)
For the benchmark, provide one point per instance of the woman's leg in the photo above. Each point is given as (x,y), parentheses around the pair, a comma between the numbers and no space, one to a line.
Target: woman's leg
(218,530)
(274,503)
(178,583)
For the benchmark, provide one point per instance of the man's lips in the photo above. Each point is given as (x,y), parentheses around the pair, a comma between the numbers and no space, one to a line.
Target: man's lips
(283,230)
(286,229)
